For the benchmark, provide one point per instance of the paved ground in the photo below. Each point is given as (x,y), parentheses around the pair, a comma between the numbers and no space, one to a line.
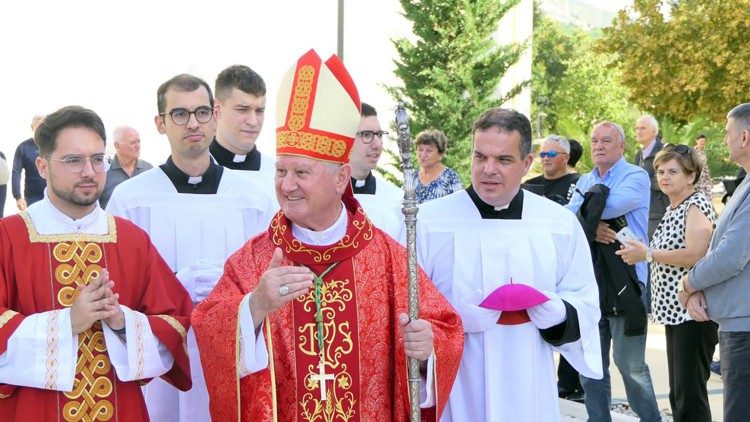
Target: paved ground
(656,357)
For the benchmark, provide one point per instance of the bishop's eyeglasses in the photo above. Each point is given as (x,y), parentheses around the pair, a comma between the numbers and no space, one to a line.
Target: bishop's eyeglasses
(180,116)
(76,163)
(368,135)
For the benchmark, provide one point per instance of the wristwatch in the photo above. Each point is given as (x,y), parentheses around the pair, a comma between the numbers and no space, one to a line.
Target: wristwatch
(649,255)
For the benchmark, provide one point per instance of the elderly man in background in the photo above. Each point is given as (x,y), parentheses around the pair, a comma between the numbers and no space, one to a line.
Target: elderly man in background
(646,129)
(126,163)
(555,182)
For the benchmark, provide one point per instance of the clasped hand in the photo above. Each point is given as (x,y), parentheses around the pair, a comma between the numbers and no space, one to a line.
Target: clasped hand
(96,301)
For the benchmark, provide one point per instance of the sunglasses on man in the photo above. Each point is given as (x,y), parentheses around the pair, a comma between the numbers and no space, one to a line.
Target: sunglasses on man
(550,154)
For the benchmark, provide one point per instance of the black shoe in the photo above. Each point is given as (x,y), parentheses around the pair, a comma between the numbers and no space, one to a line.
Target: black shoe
(576,396)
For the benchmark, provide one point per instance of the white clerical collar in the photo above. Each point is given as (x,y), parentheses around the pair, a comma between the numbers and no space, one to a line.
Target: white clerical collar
(328,236)
(47,219)
(502,207)
(194,180)
(239,158)
(359,183)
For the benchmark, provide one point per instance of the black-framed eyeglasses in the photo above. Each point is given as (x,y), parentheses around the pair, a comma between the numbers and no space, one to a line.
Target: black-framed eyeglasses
(180,116)
(368,135)
(76,163)
(550,154)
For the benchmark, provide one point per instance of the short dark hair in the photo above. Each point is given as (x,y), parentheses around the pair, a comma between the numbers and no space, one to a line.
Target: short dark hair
(701,136)
(241,77)
(434,137)
(70,116)
(507,120)
(181,83)
(368,110)
(741,114)
(576,152)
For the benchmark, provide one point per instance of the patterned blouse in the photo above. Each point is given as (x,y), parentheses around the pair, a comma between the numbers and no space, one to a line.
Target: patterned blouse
(670,235)
(704,181)
(445,184)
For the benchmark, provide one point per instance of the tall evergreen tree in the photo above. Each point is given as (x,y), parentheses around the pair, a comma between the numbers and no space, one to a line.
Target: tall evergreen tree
(452,67)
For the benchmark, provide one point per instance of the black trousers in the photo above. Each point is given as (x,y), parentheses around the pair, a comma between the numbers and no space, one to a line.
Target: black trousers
(568,380)
(690,348)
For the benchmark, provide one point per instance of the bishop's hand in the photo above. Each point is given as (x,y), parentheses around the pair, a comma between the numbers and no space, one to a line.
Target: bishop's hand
(278,286)
(418,337)
(93,302)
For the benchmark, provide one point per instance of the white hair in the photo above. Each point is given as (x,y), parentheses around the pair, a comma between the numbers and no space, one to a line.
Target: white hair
(651,120)
(558,140)
(119,132)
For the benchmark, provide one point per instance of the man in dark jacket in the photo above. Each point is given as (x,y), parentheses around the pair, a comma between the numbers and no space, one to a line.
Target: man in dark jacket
(25,160)
(646,129)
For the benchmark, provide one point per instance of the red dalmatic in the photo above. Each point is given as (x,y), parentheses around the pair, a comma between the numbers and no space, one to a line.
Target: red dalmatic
(42,272)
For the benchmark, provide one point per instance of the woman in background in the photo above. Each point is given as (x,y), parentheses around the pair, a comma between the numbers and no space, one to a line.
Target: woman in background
(434,180)
(680,240)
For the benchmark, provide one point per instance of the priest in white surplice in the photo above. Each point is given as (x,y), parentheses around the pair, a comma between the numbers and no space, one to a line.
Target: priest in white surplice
(472,242)
(197,214)
(380,198)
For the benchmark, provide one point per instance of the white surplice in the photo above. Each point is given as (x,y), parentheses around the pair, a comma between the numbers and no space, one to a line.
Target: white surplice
(384,208)
(24,363)
(507,372)
(186,229)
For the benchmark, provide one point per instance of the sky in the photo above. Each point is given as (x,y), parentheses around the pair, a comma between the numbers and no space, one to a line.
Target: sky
(111,56)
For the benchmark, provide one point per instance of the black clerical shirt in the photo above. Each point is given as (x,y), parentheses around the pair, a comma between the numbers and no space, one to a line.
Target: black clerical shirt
(369,186)
(207,184)
(228,159)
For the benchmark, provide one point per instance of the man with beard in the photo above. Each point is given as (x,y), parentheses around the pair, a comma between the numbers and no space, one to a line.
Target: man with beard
(88,308)
(197,213)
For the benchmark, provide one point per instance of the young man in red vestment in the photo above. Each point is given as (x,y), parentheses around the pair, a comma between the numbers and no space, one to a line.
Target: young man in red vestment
(89,310)
(309,319)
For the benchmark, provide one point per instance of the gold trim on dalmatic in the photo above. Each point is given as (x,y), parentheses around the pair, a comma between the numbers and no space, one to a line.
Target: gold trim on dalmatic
(35,237)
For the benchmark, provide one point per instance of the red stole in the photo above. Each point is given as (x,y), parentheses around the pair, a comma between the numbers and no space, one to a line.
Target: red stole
(340,371)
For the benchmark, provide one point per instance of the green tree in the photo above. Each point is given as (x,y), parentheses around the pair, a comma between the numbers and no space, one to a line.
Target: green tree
(451,69)
(575,85)
(552,47)
(685,64)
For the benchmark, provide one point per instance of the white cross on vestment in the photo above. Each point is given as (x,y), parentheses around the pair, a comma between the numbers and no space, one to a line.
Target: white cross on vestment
(321,378)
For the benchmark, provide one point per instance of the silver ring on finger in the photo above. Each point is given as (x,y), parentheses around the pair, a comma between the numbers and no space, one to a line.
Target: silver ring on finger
(284,290)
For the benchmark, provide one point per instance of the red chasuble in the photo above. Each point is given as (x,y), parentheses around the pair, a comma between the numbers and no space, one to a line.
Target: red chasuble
(41,273)
(365,363)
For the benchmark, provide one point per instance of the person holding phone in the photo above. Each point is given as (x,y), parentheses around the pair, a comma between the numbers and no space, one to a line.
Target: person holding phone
(680,240)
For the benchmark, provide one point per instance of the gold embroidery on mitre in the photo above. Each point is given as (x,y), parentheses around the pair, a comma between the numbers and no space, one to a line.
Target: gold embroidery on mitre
(340,403)
(92,386)
(312,142)
(301,97)
(7,316)
(78,264)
